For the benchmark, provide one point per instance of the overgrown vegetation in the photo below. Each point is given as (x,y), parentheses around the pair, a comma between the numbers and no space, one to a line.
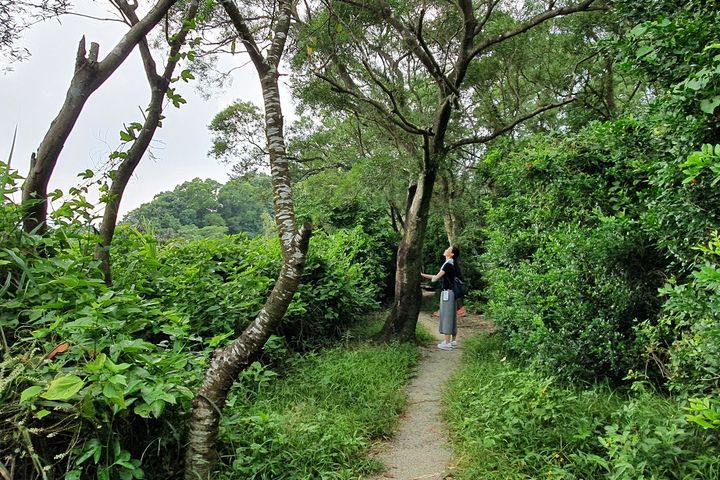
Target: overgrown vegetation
(590,235)
(510,420)
(320,419)
(97,381)
(599,242)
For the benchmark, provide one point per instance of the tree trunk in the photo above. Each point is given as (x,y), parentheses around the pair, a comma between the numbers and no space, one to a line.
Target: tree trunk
(402,320)
(89,75)
(451,219)
(159,86)
(227,362)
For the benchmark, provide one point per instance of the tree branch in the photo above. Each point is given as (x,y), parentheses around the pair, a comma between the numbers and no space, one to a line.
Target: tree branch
(382,109)
(509,126)
(585,5)
(246,36)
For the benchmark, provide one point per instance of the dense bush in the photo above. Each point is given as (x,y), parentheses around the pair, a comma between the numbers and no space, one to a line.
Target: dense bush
(221,284)
(686,338)
(570,272)
(91,377)
(96,381)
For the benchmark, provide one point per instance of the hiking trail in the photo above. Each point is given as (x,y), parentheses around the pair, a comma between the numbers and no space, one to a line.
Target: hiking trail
(420,449)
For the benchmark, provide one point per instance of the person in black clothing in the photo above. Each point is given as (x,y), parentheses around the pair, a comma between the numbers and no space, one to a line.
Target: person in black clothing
(448,315)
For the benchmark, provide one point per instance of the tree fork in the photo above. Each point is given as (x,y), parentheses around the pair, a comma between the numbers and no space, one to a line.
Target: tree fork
(89,76)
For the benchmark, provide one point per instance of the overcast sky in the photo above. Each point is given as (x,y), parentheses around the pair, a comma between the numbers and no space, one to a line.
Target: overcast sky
(32,94)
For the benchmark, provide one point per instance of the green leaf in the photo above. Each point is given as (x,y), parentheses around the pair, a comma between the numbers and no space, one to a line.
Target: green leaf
(30,392)
(642,51)
(42,414)
(126,137)
(86,174)
(73,475)
(710,104)
(638,31)
(63,388)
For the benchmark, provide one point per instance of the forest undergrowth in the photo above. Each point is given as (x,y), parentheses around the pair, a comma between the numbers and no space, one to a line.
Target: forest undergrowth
(510,420)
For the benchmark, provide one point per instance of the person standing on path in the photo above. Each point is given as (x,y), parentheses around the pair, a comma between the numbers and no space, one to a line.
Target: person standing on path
(448,315)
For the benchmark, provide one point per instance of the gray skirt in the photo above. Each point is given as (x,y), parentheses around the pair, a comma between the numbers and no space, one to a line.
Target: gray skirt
(448,314)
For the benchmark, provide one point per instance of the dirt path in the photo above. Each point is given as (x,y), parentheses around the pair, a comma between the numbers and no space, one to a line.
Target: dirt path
(420,448)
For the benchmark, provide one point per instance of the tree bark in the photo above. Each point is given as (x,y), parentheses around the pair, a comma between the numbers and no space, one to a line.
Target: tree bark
(89,76)
(228,362)
(402,320)
(159,86)
(451,219)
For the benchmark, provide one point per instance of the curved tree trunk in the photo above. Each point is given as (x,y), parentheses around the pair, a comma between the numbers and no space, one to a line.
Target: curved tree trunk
(89,75)
(402,320)
(228,362)
(159,87)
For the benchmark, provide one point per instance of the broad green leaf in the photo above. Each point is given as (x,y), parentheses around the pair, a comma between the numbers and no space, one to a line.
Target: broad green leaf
(638,31)
(73,475)
(642,51)
(63,388)
(710,104)
(126,137)
(30,392)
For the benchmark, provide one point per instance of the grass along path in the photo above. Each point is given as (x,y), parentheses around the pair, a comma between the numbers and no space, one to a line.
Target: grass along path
(420,447)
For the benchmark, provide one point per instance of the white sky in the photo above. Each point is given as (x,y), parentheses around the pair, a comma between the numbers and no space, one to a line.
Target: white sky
(32,94)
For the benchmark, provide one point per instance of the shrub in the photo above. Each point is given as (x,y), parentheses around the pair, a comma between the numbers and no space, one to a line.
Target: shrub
(221,284)
(569,269)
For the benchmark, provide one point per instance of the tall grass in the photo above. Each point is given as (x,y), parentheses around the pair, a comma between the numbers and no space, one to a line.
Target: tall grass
(509,421)
(320,419)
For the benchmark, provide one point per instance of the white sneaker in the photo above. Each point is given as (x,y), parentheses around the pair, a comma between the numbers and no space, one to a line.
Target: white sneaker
(454,344)
(444,346)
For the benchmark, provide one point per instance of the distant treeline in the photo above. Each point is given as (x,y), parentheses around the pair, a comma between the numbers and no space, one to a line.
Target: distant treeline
(208,209)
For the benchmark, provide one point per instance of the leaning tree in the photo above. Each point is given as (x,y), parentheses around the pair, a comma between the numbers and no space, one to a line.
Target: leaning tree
(90,73)
(140,134)
(263,29)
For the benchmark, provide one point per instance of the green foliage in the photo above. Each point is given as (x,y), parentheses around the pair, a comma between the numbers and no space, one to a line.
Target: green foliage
(90,376)
(239,137)
(345,275)
(569,271)
(95,382)
(207,209)
(686,338)
(319,420)
(513,422)
(221,284)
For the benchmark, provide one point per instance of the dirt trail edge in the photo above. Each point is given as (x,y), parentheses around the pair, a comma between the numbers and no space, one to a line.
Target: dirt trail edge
(420,448)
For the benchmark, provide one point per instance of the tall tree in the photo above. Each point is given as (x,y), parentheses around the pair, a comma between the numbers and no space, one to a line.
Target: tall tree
(90,74)
(227,362)
(143,133)
(414,68)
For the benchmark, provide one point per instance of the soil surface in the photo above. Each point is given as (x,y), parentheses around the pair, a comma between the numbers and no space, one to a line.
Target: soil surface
(420,448)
